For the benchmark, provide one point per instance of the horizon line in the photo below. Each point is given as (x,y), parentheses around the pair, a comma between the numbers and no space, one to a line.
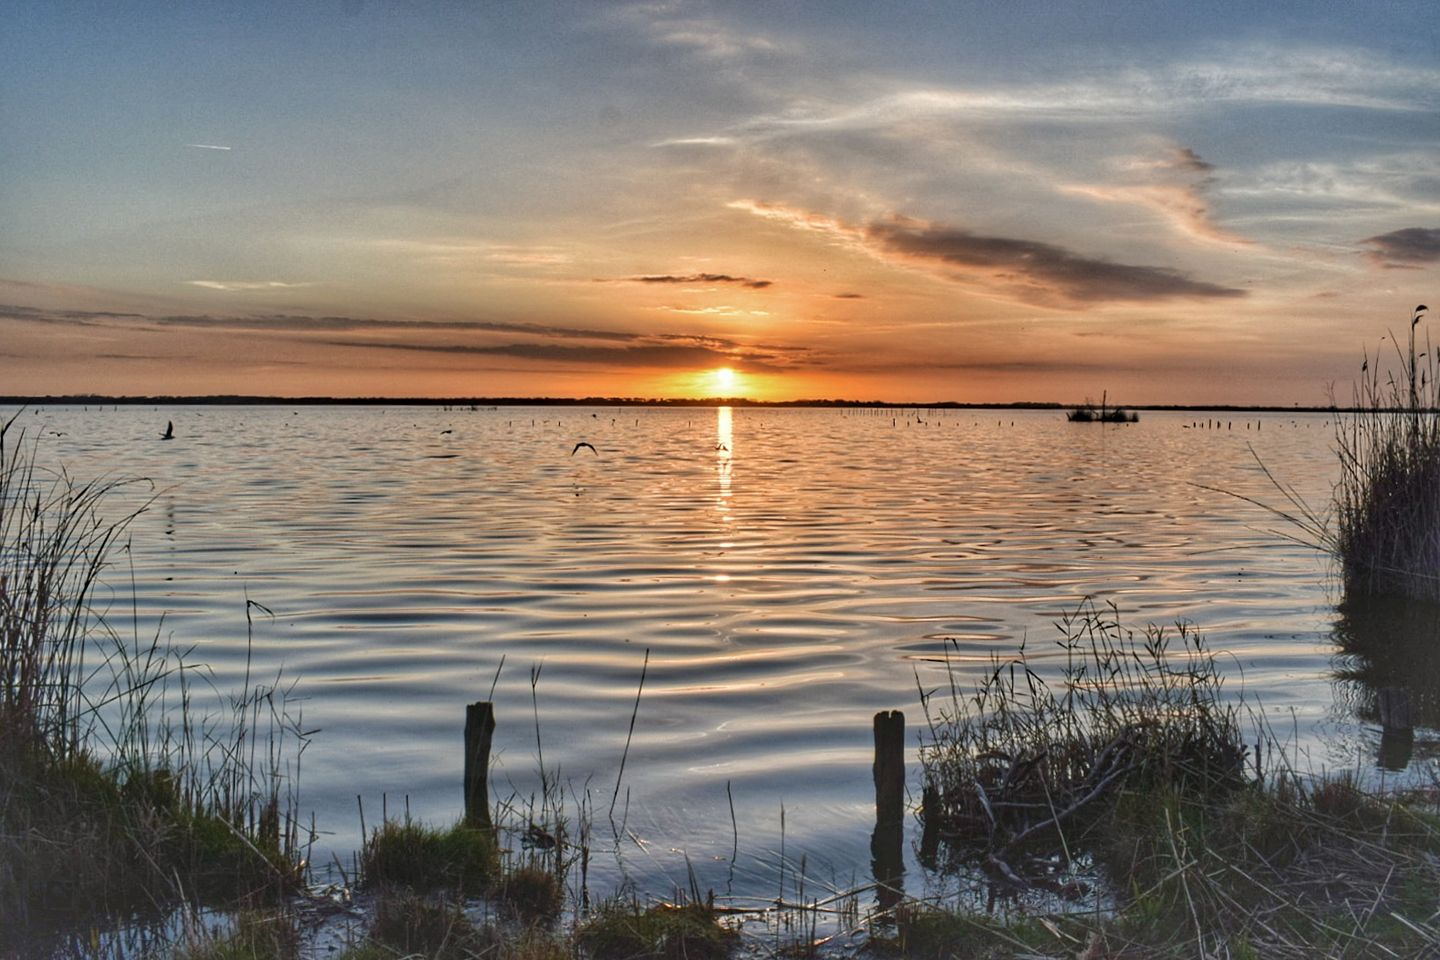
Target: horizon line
(273,400)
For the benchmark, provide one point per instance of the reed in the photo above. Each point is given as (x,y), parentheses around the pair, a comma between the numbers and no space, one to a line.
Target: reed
(116,790)
(1125,796)
(1387,499)
(1020,759)
(54,546)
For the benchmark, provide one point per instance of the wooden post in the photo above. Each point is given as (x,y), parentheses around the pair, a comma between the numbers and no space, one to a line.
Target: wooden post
(1397,728)
(887,842)
(889,767)
(930,816)
(1394,704)
(479,728)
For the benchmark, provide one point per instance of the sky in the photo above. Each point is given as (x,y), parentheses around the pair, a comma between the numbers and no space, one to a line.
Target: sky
(1167,202)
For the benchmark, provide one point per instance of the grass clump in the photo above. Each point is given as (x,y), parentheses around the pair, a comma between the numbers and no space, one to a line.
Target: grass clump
(254,936)
(531,892)
(927,932)
(1131,774)
(1021,760)
(411,924)
(620,930)
(1387,500)
(1286,870)
(404,853)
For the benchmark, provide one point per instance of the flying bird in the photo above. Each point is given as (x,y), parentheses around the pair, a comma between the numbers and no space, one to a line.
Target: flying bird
(582,443)
(169,433)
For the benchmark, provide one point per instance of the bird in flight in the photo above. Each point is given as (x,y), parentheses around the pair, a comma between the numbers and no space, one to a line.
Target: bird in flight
(169,433)
(582,443)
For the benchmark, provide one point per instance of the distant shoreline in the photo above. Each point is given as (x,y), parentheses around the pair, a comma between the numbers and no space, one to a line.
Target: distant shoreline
(234,400)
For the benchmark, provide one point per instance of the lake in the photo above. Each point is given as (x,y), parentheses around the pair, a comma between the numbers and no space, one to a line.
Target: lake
(789,571)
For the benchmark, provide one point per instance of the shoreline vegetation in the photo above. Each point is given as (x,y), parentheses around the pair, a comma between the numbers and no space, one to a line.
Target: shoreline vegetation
(1121,810)
(1387,502)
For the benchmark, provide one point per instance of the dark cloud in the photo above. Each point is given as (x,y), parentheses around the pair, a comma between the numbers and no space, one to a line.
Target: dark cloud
(697,278)
(1404,249)
(81,317)
(678,356)
(849,296)
(1187,159)
(610,347)
(1042,272)
(302,323)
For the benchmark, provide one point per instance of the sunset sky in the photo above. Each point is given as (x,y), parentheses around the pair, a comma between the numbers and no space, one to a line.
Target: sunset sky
(1174,202)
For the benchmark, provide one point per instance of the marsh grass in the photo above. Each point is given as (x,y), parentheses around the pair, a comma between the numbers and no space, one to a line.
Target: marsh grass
(1387,500)
(116,791)
(404,853)
(1020,759)
(621,930)
(1130,773)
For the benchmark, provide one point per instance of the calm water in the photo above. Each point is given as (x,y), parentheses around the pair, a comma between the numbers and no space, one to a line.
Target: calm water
(790,572)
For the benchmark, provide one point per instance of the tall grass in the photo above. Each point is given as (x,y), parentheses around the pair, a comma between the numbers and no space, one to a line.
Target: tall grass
(1021,759)
(1130,772)
(116,788)
(54,545)
(1387,500)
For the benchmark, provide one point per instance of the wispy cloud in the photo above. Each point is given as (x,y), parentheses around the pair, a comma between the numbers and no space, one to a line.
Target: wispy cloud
(235,286)
(723,310)
(207,146)
(469,252)
(680,25)
(1175,184)
(697,142)
(1248,74)
(1406,249)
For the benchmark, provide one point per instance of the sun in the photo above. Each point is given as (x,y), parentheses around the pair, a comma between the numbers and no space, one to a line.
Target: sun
(723,380)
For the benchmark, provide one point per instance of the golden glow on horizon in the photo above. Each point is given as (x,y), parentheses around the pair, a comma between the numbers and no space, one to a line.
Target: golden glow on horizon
(718,382)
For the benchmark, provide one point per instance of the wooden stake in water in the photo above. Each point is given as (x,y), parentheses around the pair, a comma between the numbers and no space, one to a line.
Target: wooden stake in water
(1397,728)
(479,729)
(886,843)
(889,767)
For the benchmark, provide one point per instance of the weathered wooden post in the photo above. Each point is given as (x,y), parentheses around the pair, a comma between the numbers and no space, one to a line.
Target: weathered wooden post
(889,767)
(479,728)
(1397,727)
(930,816)
(886,843)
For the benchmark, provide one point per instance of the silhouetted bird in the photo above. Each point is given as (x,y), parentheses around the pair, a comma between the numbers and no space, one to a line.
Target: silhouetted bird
(721,446)
(169,433)
(582,443)
(443,432)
